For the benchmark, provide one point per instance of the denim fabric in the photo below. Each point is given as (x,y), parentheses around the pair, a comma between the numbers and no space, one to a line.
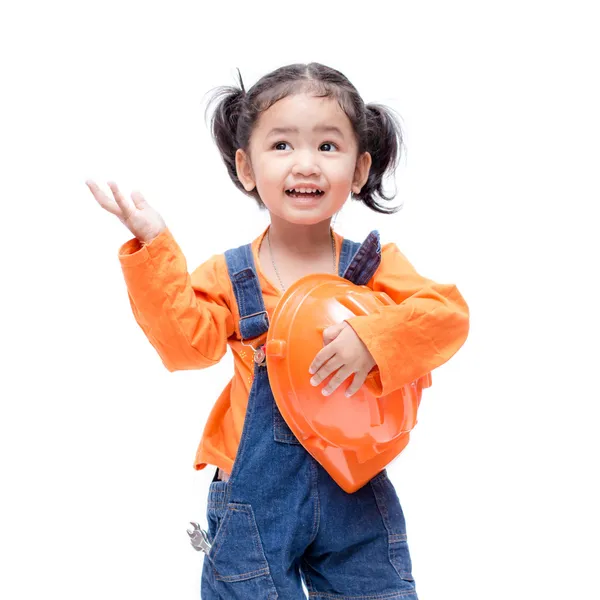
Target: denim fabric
(365,260)
(253,316)
(280,519)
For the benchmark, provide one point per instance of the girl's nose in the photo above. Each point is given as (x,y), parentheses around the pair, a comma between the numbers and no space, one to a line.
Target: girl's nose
(306,164)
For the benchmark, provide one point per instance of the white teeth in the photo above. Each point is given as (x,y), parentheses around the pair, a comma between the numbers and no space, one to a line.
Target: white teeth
(305,190)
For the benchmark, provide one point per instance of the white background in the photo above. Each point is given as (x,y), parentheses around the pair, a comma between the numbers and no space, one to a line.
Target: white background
(499,105)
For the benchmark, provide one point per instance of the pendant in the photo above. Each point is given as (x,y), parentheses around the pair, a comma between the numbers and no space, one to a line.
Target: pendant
(259,355)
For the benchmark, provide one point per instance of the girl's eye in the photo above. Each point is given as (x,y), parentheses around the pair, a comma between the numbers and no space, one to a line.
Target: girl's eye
(329,144)
(275,146)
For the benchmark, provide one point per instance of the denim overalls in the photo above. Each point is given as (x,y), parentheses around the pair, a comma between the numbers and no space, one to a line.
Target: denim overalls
(280,516)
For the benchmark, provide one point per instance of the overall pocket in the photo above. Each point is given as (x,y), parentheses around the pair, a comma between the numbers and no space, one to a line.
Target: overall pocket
(216,507)
(389,506)
(237,556)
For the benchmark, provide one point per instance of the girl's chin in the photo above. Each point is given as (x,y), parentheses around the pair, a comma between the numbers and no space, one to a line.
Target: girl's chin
(304,211)
(310,201)
(304,216)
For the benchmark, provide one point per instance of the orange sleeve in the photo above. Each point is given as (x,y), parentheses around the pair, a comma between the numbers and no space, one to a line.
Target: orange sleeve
(187,318)
(423,330)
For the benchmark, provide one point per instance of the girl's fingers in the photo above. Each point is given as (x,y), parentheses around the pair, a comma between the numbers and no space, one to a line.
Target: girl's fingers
(103,200)
(333,364)
(357,383)
(127,207)
(337,380)
(321,358)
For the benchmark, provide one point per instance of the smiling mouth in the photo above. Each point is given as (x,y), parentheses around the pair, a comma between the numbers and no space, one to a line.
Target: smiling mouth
(305,195)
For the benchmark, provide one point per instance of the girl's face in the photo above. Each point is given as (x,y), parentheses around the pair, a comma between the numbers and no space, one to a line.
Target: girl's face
(303,141)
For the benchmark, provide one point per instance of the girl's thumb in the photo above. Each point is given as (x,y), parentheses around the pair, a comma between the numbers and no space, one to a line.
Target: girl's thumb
(331,332)
(138,199)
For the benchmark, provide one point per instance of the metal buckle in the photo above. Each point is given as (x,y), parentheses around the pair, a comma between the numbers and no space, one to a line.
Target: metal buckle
(262,312)
(259,352)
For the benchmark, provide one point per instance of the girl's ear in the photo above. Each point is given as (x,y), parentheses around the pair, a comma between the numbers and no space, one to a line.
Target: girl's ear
(244,170)
(361,173)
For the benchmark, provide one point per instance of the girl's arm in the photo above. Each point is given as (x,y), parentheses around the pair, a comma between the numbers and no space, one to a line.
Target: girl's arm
(426,327)
(185,317)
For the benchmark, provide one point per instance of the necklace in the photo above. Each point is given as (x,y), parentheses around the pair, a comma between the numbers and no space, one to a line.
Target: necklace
(273,260)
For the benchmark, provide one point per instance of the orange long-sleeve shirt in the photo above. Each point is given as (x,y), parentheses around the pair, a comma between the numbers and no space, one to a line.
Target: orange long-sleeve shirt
(191,318)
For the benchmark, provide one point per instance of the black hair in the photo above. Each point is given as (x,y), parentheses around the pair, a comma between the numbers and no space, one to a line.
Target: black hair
(376,127)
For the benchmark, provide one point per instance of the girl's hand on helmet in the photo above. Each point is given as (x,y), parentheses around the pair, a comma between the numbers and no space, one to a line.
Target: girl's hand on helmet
(345,353)
(137,215)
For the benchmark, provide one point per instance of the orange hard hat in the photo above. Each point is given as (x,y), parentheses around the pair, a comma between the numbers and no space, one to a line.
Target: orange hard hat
(352,438)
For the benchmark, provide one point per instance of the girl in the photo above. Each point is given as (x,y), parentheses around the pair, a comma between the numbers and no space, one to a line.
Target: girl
(299,142)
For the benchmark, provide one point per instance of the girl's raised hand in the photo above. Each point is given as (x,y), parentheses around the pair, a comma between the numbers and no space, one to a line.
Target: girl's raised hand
(138,216)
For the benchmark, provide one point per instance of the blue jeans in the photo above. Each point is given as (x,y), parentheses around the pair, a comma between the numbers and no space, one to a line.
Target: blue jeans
(280,518)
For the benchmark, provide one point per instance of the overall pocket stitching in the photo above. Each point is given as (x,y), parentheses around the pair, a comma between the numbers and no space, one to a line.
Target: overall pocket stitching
(254,528)
(397,542)
(255,540)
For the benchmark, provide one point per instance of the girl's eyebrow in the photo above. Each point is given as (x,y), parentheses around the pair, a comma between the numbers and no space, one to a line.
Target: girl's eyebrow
(318,128)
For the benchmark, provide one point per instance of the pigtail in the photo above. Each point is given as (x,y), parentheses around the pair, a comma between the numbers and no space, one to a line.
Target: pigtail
(384,141)
(224,123)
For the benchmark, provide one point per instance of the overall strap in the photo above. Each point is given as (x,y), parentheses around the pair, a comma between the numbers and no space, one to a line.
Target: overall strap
(349,249)
(246,287)
(358,262)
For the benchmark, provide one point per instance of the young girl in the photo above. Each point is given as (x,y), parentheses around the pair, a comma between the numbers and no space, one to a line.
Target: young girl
(299,142)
